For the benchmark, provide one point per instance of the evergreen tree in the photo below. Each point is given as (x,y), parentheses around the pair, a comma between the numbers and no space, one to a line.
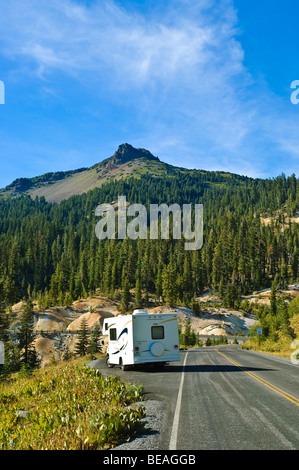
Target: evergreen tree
(286,328)
(293,307)
(169,285)
(187,281)
(138,294)
(66,354)
(125,296)
(295,263)
(68,299)
(273,297)
(4,325)
(196,309)
(158,284)
(83,339)
(26,337)
(94,345)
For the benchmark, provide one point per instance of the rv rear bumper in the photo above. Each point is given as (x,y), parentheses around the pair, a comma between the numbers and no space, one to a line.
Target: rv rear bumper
(147,360)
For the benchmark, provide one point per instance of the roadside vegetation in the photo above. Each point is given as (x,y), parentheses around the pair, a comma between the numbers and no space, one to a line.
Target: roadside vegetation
(67,406)
(279,324)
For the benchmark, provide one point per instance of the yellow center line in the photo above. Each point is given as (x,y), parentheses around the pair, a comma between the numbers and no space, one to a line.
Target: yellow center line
(286,395)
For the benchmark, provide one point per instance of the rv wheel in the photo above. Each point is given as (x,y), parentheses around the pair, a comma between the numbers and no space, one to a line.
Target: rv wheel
(108,362)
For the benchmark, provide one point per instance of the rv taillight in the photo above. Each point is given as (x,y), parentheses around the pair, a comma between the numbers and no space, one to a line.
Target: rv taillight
(136,348)
(175,346)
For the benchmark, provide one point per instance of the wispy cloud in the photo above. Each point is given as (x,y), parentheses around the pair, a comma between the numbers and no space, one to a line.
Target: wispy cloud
(63,34)
(181,68)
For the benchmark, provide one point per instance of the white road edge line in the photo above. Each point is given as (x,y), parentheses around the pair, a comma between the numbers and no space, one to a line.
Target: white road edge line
(175,424)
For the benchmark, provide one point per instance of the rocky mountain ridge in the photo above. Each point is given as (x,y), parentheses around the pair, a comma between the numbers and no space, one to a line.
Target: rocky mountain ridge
(124,154)
(57,186)
(127,161)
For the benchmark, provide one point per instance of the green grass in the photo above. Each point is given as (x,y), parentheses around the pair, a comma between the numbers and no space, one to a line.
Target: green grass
(71,407)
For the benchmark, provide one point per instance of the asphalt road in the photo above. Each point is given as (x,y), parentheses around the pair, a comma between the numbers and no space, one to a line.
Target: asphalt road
(223,398)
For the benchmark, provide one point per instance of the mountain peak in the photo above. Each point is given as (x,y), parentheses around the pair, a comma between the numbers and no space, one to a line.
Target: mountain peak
(126,153)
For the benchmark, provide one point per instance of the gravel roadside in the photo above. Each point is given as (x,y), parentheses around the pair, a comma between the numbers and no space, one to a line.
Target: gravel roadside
(154,421)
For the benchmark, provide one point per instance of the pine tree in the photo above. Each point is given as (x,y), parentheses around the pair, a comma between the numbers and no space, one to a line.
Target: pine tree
(228,300)
(138,293)
(187,281)
(4,325)
(285,320)
(66,354)
(68,299)
(94,345)
(217,265)
(53,292)
(106,280)
(125,296)
(26,337)
(273,296)
(83,339)
(295,264)
(221,289)
(10,294)
(189,336)
(169,284)
(196,309)
(158,283)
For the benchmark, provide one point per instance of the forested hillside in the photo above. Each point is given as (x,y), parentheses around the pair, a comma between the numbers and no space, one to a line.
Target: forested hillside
(50,252)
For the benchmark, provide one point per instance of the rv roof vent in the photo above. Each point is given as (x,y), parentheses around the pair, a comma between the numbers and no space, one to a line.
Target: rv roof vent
(140,311)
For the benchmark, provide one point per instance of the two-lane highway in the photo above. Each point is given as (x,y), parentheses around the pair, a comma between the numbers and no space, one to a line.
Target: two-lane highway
(235,399)
(224,398)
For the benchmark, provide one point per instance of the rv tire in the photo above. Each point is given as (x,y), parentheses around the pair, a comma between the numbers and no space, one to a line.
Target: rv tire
(108,364)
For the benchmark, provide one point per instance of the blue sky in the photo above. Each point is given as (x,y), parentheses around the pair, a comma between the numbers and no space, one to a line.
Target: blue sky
(202,84)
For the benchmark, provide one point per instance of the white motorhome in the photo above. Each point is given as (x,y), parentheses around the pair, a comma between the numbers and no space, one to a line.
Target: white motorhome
(142,338)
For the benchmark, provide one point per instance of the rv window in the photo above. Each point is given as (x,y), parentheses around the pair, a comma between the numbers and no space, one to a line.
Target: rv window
(112,334)
(157,332)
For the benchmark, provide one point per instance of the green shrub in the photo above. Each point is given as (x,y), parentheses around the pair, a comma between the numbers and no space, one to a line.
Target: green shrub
(70,407)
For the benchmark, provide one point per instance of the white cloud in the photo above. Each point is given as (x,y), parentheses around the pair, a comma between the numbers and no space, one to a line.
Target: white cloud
(181,69)
(62,34)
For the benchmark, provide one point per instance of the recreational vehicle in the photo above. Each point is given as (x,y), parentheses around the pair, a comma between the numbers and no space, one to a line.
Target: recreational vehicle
(142,338)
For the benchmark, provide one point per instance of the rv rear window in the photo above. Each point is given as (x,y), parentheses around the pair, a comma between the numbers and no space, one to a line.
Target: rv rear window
(112,334)
(157,332)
